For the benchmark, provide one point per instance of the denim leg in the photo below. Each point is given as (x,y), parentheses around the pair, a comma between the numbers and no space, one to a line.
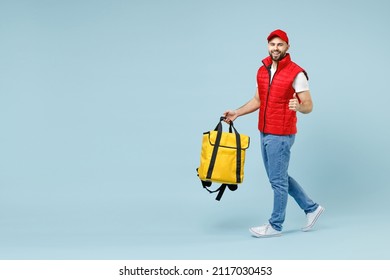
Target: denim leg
(263,152)
(303,200)
(276,156)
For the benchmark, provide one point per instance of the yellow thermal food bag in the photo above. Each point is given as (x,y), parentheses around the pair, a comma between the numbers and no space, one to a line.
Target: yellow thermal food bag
(222,158)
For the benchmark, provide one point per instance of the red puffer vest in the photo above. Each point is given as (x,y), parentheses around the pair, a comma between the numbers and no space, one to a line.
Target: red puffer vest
(274,115)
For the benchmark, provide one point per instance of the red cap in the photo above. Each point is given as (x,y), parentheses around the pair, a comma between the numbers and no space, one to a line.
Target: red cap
(278,33)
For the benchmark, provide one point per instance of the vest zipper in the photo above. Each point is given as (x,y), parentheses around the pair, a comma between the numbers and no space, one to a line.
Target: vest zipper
(269,89)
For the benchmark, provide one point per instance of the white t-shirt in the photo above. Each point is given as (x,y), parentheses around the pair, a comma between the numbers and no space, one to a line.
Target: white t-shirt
(300,82)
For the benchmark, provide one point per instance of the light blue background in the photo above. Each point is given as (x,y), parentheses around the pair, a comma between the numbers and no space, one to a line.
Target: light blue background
(103,105)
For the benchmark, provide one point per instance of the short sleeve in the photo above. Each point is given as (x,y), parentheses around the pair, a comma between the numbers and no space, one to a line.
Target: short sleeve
(300,83)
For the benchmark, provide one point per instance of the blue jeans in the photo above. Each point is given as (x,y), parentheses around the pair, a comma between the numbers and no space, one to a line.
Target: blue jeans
(276,156)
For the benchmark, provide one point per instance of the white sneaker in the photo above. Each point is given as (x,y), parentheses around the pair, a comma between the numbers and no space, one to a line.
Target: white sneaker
(264,231)
(313,217)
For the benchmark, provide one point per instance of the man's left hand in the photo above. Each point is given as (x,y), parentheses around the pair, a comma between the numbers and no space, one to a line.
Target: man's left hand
(294,103)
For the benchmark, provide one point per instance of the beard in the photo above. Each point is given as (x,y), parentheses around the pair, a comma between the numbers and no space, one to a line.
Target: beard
(277,55)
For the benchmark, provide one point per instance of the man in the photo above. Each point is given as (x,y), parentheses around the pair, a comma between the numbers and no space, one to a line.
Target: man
(282,90)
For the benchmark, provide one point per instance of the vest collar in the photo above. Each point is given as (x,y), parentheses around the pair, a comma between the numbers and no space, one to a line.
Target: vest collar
(285,60)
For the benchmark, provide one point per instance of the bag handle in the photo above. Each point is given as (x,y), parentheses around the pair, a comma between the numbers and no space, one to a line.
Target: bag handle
(219,125)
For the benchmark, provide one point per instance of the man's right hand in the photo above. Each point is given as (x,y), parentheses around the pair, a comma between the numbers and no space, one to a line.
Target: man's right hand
(230,115)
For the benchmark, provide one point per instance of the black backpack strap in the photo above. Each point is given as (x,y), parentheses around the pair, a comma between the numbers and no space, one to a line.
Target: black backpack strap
(218,128)
(221,189)
(207,184)
(238,158)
